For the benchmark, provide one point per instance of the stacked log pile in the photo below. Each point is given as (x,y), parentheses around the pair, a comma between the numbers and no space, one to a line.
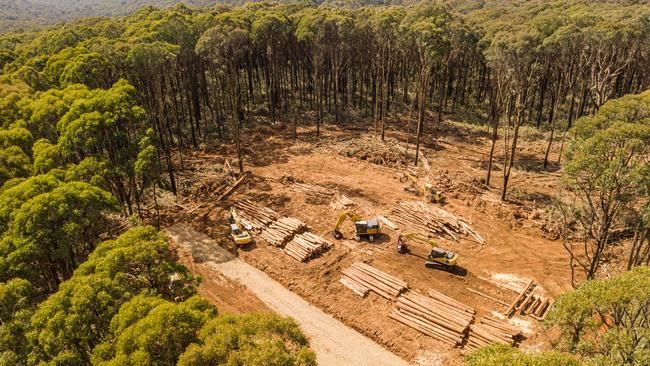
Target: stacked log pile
(311,190)
(305,246)
(491,330)
(341,202)
(432,221)
(362,276)
(282,230)
(530,304)
(436,315)
(255,216)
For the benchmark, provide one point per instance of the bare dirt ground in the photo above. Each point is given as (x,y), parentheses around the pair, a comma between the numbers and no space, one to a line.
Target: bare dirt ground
(334,343)
(518,245)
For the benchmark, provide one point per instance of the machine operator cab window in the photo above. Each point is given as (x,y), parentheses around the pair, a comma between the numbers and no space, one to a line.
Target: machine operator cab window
(235,229)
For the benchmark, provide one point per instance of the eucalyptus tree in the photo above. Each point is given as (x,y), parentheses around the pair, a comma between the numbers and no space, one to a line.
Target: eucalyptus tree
(426,28)
(226,46)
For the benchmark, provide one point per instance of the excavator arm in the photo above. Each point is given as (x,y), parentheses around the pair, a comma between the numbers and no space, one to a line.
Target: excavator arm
(344,215)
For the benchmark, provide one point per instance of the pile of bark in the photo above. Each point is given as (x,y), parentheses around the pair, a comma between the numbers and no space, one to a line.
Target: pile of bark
(361,278)
(306,246)
(254,216)
(436,315)
(341,202)
(312,190)
(530,304)
(281,231)
(491,330)
(432,221)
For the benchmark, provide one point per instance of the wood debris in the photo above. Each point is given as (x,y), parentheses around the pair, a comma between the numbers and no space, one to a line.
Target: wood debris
(281,231)
(491,330)
(341,202)
(375,280)
(432,221)
(305,246)
(312,190)
(528,303)
(486,296)
(436,315)
(255,216)
(389,224)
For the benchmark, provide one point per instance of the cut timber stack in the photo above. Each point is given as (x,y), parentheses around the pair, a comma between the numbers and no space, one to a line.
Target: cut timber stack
(373,279)
(341,202)
(432,221)
(529,304)
(305,246)
(311,190)
(255,216)
(281,231)
(440,317)
(491,330)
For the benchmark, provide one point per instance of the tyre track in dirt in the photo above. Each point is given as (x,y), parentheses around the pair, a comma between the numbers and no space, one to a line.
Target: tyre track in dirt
(333,342)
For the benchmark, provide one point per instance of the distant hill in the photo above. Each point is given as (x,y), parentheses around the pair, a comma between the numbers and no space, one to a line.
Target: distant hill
(30,13)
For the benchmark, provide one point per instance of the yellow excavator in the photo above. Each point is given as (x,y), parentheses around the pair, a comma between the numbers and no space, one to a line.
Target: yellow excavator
(437,255)
(363,228)
(427,190)
(237,233)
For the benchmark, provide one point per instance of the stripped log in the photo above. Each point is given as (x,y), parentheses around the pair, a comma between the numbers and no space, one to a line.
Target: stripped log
(432,221)
(233,187)
(375,280)
(433,316)
(305,246)
(522,296)
(389,224)
(256,216)
(311,190)
(491,330)
(341,202)
(493,299)
(355,286)
(283,230)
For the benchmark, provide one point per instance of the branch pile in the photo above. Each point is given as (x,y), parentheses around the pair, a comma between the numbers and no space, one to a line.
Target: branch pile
(361,277)
(388,153)
(341,202)
(491,330)
(432,221)
(305,246)
(255,216)
(436,315)
(311,190)
(281,231)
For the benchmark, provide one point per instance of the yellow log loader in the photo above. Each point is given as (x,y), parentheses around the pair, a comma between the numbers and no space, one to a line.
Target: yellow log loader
(363,228)
(437,255)
(430,193)
(237,233)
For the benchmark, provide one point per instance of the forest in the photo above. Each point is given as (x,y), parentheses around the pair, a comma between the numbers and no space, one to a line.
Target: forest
(94,111)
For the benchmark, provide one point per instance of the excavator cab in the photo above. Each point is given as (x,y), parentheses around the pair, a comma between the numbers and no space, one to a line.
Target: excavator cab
(443,256)
(238,235)
(363,228)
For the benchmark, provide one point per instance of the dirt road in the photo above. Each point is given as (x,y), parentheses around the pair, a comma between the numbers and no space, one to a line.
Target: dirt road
(334,343)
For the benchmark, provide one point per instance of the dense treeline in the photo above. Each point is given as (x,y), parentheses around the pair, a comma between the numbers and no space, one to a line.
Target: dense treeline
(200,74)
(94,112)
(130,303)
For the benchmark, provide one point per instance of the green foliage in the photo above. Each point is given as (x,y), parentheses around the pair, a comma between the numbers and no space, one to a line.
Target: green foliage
(253,339)
(607,173)
(148,330)
(11,198)
(14,163)
(76,318)
(54,231)
(606,321)
(17,300)
(500,355)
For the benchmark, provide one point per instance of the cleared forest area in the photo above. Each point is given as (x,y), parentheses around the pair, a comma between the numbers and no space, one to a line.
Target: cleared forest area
(462,182)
